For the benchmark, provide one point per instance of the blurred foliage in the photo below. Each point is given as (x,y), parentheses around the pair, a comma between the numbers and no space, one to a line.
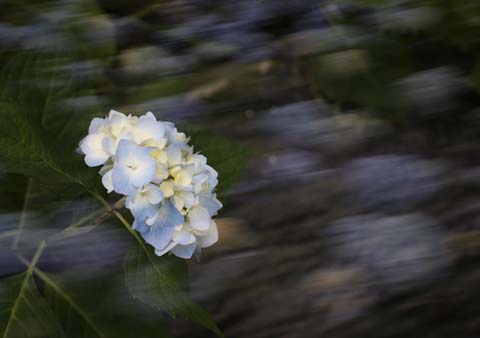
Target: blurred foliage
(46,103)
(227,157)
(413,63)
(151,280)
(91,307)
(23,311)
(394,42)
(38,134)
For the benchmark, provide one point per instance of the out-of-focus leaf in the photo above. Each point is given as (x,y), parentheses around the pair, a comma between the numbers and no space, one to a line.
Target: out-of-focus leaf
(125,7)
(155,281)
(384,62)
(23,312)
(39,132)
(12,189)
(92,30)
(373,3)
(468,10)
(99,307)
(227,157)
(475,75)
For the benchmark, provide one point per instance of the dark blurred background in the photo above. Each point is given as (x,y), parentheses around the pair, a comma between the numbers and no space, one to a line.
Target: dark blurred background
(358,212)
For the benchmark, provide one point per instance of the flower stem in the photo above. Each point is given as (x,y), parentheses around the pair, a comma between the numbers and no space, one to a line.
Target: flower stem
(98,216)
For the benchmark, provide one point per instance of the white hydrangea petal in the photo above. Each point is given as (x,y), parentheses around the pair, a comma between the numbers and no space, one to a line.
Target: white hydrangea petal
(167,188)
(199,179)
(92,147)
(95,158)
(199,218)
(199,160)
(213,182)
(153,193)
(171,133)
(184,251)
(174,154)
(157,143)
(178,188)
(113,113)
(183,178)
(107,181)
(210,238)
(96,125)
(183,237)
(160,156)
(212,172)
(147,128)
(118,122)
(110,145)
(189,198)
(161,173)
(143,174)
(161,231)
(178,202)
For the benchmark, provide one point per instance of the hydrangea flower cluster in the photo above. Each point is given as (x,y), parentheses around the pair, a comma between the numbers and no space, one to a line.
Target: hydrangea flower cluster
(169,189)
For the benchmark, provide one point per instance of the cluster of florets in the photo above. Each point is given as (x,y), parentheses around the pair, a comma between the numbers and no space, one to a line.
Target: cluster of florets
(169,189)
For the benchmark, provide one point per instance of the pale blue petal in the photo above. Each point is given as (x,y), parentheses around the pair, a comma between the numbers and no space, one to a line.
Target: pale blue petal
(166,249)
(145,173)
(161,232)
(125,151)
(140,226)
(184,237)
(144,212)
(209,202)
(184,251)
(128,151)
(121,180)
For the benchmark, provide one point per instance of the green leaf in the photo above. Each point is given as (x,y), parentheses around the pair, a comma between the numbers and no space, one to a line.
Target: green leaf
(152,280)
(469,11)
(23,312)
(226,157)
(96,307)
(40,131)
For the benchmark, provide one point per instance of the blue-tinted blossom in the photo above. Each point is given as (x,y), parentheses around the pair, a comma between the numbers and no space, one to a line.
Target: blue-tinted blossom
(169,189)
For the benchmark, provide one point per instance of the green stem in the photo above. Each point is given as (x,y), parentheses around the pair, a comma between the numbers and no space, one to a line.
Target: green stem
(99,215)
